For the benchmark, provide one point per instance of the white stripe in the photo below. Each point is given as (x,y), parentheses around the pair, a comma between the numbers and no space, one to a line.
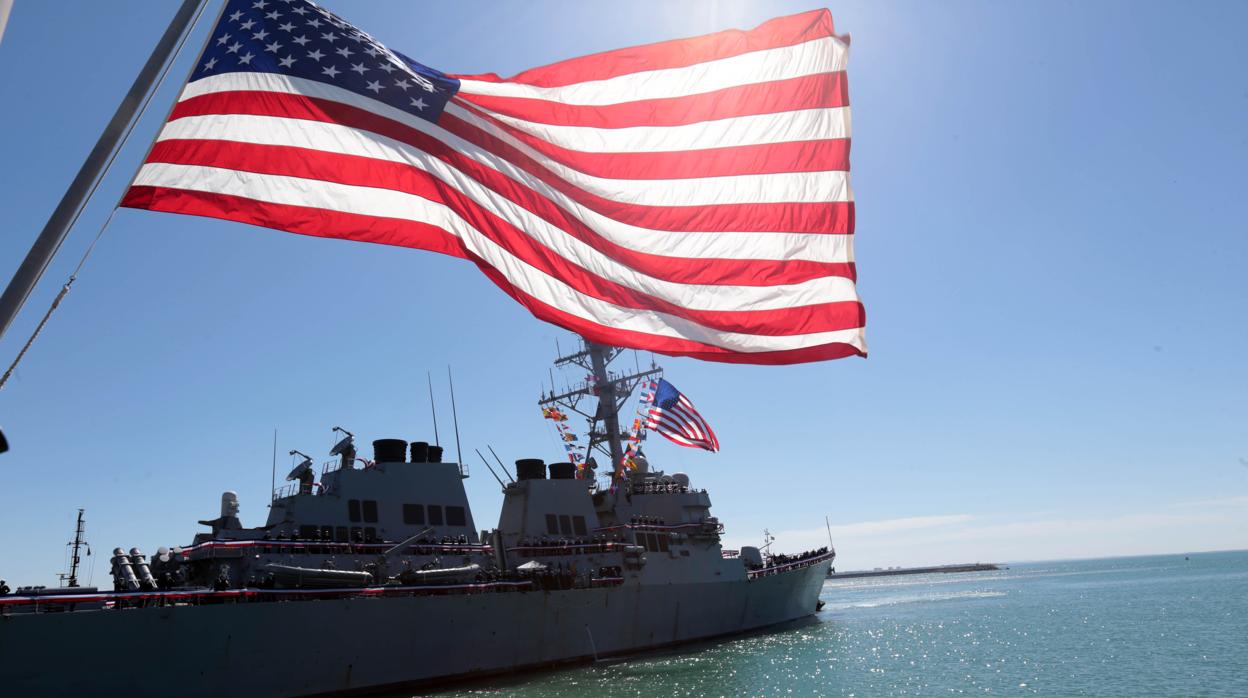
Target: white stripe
(736,245)
(799,187)
(753,129)
(822,55)
(658,190)
(787,187)
(689,244)
(369,201)
(344,140)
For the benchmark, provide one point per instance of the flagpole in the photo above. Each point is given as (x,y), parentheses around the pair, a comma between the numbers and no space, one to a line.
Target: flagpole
(75,198)
(5,7)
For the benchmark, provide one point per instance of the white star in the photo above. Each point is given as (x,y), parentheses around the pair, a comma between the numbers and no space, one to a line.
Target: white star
(248,24)
(375,86)
(331,71)
(359,68)
(372,52)
(260,5)
(273,15)
(419,104)
(314,23)
(273,47)
(287,61)
(387,67)
(260,35)
(344,52)
(233,48)
(316,55)
(245,59)
(300,11)
(235,17)
(286,27)
(357,38)
(330,37)
(210,64)
(302,40)
(224,38)
(402,85)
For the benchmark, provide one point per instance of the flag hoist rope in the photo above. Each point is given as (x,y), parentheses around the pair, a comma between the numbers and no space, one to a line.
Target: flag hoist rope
(93,172)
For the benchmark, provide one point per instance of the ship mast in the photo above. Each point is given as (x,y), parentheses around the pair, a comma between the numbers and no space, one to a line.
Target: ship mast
(75,557)
(612,390)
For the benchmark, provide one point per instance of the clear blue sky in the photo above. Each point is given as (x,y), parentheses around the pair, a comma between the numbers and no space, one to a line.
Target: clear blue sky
(1052,242)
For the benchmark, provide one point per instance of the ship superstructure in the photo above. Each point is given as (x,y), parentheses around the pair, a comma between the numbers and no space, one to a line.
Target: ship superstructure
(371,573)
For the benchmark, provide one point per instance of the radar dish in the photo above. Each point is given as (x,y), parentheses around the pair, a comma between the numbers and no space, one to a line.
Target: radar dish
(300,469)
(341,446)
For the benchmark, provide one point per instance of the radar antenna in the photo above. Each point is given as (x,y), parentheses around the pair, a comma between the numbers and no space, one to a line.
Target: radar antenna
(70,578)
(612,390)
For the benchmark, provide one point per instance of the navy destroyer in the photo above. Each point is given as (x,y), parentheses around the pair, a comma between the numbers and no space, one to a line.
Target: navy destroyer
(372,573)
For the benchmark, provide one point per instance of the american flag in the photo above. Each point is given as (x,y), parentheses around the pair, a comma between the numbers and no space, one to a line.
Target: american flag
(675,417)
(689,197)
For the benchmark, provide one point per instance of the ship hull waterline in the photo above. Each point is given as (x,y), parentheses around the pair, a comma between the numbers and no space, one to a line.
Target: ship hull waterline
(360,644)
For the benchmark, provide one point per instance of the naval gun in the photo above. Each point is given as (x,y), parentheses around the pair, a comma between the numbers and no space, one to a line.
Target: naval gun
(431,573)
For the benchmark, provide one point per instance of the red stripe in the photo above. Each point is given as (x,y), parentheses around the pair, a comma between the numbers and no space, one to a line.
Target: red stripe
(782,31)
(725,272)
(297,219)
(789,217)
(834,217)
(670,346)
(324,223)
(822,91)
(764,158)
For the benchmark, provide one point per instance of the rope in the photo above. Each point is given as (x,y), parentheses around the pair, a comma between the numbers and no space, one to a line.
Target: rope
(108,166)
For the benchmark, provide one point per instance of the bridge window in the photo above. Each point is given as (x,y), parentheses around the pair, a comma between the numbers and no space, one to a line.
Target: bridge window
(565,524)
(340,534)
(370,510)
(308,532)
(414,514)
(455,516)
(327,532)
(353,510)
(435,515)
(370,534)
(357,534)
(578,526)
(552,524)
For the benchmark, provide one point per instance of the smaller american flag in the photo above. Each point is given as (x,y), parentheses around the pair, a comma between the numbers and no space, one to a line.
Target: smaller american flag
(675,417)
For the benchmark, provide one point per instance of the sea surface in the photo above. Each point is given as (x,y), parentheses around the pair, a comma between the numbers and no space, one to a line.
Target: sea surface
(1144,626)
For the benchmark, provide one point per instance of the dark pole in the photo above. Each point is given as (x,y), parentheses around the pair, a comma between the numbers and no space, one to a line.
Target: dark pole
(433,408)
(49,241)
(73,565)
(608,410)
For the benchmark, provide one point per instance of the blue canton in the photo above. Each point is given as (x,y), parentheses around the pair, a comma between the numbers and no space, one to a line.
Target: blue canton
(300,39)
(666,395)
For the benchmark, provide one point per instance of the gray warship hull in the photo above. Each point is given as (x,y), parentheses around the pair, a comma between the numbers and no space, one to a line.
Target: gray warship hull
(360,644)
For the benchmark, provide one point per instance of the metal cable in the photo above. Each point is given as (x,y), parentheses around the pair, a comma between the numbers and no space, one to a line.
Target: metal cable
(147,100)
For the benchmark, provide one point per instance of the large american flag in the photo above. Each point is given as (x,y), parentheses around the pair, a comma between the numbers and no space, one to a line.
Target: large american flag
(675,417)
(689,197)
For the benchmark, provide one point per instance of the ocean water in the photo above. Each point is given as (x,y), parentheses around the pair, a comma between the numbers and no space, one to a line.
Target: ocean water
(1142,626)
